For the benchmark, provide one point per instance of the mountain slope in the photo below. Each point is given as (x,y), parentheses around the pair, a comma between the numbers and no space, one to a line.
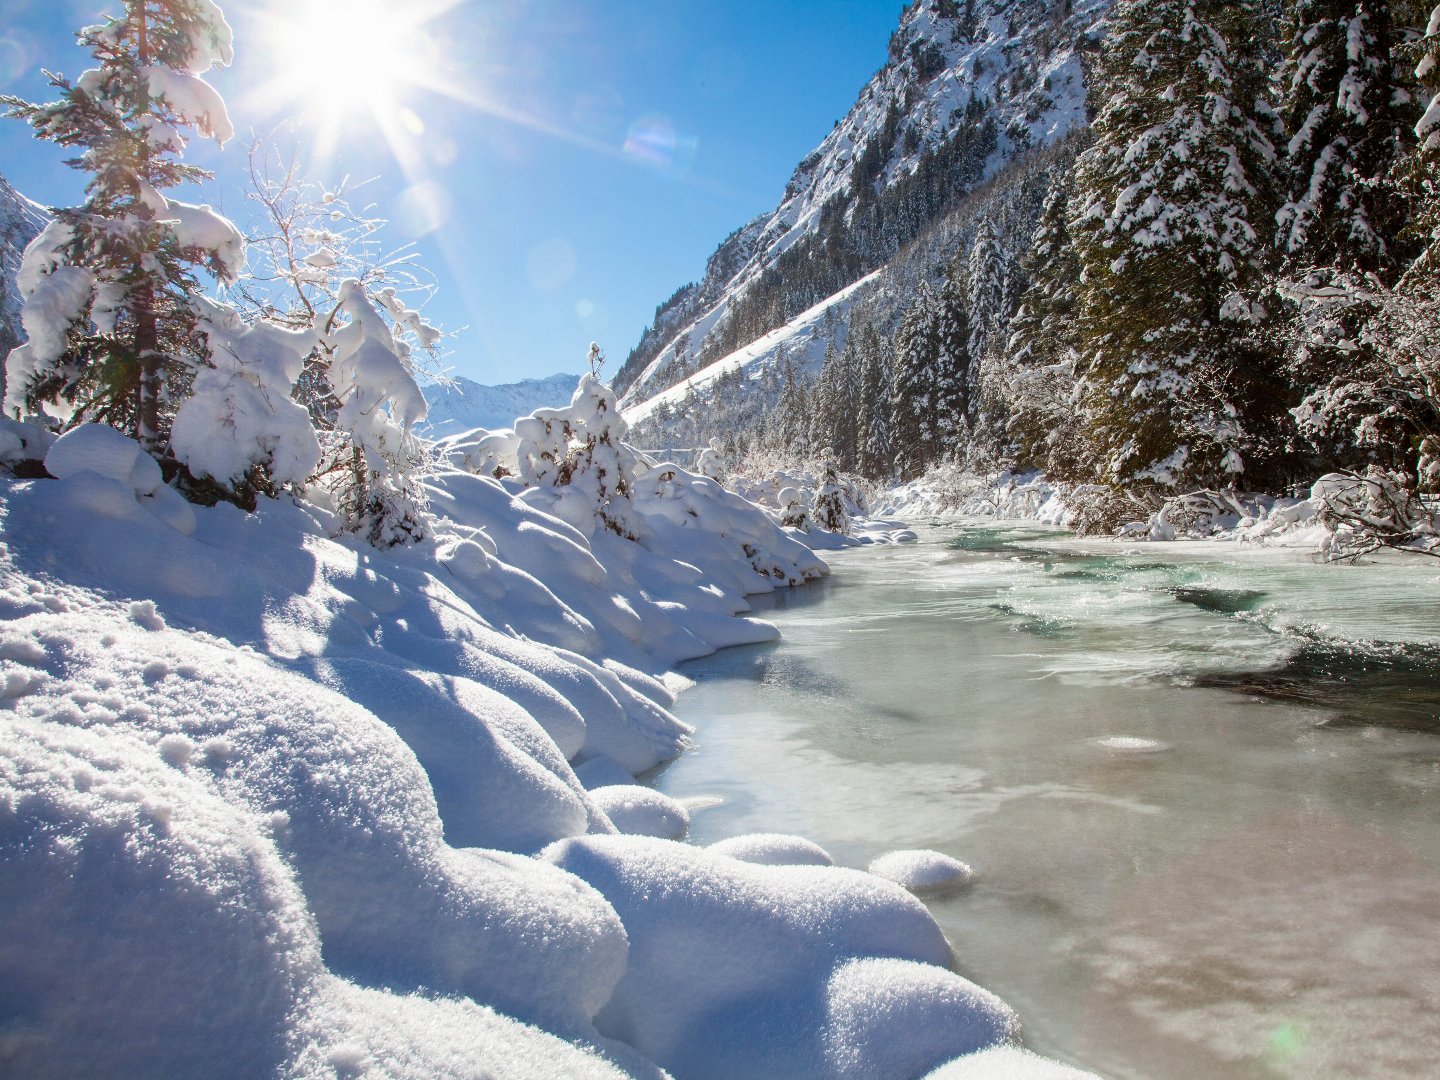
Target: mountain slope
(465,404)
(967,88)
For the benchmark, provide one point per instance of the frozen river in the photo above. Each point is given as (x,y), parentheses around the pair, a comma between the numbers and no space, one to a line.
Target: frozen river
(1200,785)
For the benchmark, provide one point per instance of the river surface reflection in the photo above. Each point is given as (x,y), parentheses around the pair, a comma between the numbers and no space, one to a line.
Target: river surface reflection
(1200,785)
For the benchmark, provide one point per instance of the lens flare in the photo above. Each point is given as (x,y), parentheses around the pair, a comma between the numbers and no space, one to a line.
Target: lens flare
(653,141)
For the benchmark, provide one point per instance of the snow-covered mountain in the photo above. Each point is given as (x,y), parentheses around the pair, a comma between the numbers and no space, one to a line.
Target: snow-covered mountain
(464,404)
(967,88)
(20,221)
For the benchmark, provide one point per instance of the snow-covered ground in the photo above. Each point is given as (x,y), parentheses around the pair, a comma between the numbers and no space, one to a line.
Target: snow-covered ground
(274,802)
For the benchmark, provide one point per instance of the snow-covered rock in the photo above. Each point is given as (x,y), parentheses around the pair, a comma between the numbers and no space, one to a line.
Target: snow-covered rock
(827,972)
(922,871)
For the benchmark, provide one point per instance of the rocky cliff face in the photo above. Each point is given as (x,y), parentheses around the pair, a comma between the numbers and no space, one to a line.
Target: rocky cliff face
(967,87)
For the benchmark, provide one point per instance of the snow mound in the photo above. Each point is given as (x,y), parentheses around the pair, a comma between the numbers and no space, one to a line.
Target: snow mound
(922,871)
(600,771)
(807,971)
(1007,1063)
(349,808)
(96,448)
(642,811)
(773,849)
(132,896)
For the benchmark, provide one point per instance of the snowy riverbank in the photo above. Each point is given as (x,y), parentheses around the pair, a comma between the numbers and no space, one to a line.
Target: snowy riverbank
(1341,516)
(276,804)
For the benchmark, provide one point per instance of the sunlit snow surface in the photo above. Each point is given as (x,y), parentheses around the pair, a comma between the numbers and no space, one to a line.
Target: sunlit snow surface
(1199,784)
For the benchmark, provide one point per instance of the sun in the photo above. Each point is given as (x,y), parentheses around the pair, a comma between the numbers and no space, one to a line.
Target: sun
(348,65)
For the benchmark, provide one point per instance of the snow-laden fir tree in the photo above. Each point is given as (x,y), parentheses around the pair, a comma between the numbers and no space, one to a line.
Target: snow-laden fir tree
(951,370)
(109,285)
(985,281)
(1348,118)
(876,453)
(930,387)
(1041,350)
(826,431)
(1421,174)
(577,461)
(1175,205)
(911,399)
(830,512)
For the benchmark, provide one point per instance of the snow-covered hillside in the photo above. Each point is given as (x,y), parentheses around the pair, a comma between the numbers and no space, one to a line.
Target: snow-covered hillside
(967,87)
(464,404)
(20,221)
(802,342)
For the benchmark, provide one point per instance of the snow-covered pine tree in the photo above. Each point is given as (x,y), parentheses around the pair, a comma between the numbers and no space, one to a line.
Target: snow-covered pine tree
(951,369)
(826,430)
(913,420)
(1041,349)
(792,413)
(985,288)
(1175,205)
(830,512)
(877,459)
(1348,115)
(1420,175)
(109,286)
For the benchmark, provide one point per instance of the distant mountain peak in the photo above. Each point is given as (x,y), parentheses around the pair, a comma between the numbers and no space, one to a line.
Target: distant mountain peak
(463,404)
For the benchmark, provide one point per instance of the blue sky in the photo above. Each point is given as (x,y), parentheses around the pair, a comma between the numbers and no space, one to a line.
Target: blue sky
(564,165)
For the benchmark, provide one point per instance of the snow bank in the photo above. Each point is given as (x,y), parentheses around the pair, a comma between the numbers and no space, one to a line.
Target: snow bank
(642,811)
(275,804)
(827,972)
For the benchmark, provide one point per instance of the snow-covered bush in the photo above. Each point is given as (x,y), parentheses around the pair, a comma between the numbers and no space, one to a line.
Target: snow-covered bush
(1375,509)
(576,464)
(240,427)
(319,268)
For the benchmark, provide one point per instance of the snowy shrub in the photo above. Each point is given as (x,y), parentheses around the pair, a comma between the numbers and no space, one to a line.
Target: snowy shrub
(240,416)
(576,463)
(1374,509)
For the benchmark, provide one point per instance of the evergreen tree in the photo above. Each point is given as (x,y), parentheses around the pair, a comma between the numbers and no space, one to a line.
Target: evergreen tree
(1421,173)
(986,287)
(1043,346)
(827,430)
(792,419)
(876,456)
(1348,116)
(951,377)
(1174,203)
(913,419)
(109,284)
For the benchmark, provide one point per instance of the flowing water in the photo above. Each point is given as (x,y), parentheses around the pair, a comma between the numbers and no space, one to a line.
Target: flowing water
(1199,784)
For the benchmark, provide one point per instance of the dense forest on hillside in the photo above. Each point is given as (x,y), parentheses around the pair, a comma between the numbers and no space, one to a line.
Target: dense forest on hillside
(1227,282)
